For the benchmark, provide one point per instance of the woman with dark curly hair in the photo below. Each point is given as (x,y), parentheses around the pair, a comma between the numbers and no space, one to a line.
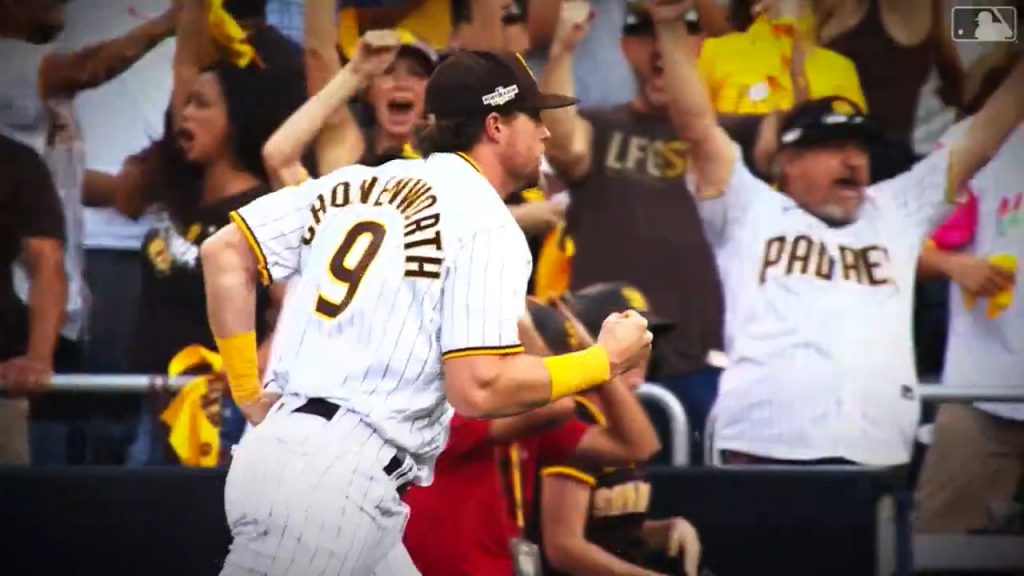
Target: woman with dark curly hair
(208,163)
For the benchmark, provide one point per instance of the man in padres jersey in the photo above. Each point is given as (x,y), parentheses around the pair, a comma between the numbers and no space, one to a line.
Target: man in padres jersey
(410,280)
(819,274)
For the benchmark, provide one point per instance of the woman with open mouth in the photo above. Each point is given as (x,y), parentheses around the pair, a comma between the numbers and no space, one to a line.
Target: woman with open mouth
(387,70)
(207,164)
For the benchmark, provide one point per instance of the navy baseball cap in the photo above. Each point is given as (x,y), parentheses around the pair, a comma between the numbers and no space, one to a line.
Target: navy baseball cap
(594,303)
(557,331)
(638,21)
(825,120)
(471,83)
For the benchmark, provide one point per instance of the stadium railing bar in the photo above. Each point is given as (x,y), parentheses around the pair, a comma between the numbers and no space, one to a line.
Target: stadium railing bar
(679,427)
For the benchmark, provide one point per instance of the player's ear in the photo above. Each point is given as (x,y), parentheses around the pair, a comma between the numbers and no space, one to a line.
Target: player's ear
(494,126)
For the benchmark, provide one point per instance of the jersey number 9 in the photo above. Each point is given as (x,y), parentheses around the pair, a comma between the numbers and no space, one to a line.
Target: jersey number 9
(349,263)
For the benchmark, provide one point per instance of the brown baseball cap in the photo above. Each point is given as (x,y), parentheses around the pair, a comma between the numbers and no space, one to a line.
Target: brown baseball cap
(471,83)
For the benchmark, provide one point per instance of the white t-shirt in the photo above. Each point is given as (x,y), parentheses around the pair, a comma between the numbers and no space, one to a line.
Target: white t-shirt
(389,270)
(818,319)
(983,351)
(23,114)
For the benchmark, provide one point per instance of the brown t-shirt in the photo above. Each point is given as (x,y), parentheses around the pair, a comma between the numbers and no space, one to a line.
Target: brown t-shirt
(29,207)
(633,220)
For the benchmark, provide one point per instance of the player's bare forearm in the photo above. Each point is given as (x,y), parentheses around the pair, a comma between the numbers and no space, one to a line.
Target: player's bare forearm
(94,65)
(988,129)
(496,386)
(44,258)
(229,277)
(691,112)
(569,148)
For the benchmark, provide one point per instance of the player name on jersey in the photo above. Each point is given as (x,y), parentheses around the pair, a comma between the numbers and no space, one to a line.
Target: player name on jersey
(412,198)
(803,255)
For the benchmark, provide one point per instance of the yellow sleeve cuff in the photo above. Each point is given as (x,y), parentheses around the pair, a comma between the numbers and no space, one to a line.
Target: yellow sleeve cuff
(577,371)
(241,365)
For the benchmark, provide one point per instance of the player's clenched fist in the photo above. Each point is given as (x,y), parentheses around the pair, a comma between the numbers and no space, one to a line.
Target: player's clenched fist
(625,338)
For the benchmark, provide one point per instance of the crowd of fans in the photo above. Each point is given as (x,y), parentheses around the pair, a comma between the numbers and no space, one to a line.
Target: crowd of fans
(265,95)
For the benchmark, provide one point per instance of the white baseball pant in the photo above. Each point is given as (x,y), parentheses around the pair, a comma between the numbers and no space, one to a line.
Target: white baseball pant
(307,496)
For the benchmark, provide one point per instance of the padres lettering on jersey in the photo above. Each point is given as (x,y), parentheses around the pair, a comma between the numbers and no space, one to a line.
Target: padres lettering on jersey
(805,256)
(818,329)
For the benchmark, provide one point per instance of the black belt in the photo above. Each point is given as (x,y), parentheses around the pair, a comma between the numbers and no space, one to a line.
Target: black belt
(326,410)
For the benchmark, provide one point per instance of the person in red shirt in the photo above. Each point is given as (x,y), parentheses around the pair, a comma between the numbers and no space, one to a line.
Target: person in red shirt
(463,523)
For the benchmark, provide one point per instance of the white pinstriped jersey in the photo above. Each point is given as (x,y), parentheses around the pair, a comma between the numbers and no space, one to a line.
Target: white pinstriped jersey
(818,319)
(390,268)
(986,345)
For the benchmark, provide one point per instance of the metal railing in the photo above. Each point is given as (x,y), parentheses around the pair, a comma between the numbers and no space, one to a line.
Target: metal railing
(931,393)
(139,383)
(678,423)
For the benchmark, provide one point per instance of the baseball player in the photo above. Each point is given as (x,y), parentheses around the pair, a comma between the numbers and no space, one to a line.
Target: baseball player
(410,280)
(819,271)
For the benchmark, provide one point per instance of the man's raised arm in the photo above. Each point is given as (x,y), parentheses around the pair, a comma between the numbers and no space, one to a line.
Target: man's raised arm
(89,67)
(712,151)
(570,147)
(987,131)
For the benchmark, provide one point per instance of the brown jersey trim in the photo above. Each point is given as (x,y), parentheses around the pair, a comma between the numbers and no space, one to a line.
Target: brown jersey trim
(483,351)
(261,258)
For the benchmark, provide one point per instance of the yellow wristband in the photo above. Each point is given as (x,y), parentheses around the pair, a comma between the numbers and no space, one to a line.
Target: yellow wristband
(241,366)
(577,371)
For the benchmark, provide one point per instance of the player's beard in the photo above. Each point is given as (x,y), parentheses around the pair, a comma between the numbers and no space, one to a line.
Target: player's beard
(532,178)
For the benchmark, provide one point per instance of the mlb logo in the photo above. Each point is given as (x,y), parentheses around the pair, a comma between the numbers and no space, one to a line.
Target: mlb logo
(984,24)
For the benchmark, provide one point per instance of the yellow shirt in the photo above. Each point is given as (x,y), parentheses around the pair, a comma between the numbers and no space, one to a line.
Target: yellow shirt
(748,72)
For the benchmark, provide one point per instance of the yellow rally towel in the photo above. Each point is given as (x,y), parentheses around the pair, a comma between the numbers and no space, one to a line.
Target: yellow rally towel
(194,414)
(1001,301)
(227,33)
(554,263)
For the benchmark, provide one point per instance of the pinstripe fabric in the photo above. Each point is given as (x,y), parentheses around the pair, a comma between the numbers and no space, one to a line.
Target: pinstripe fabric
(381,356)
(305,496)
(818,329)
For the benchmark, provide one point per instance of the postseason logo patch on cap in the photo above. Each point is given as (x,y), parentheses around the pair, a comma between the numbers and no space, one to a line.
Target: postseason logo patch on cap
(501,95)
